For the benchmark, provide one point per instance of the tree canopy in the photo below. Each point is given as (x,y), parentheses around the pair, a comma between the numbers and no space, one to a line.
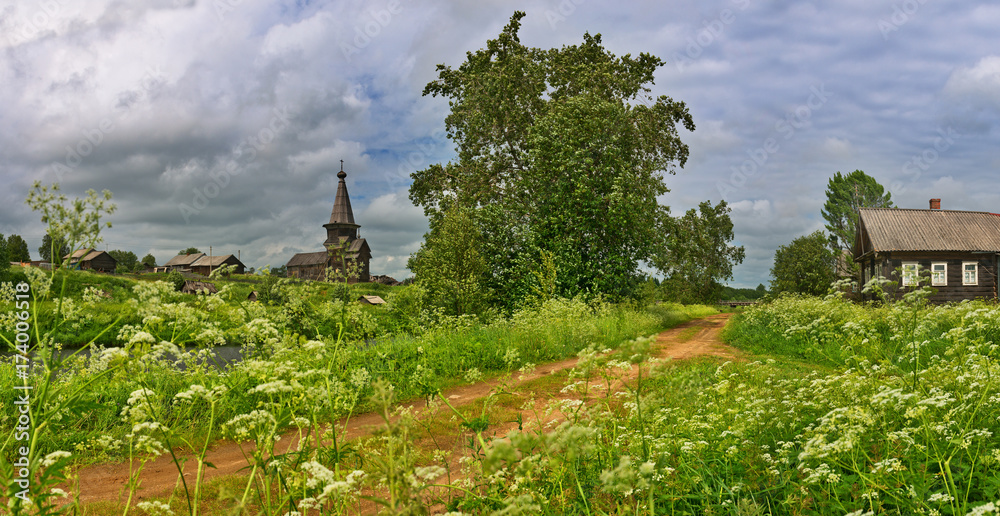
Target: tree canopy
(449,265)
(189,250)
(697,254)
(149,260)
(805,266)
(45,250)
(844,195)
(561,153)
(4,258)
(17,249)
(126,260)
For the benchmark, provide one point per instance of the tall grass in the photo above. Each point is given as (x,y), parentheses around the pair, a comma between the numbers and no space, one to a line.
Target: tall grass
(132,402)
(849,410)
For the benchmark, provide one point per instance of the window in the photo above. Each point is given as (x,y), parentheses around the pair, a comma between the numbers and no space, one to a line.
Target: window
(970,273)
(909,274)
(939,274)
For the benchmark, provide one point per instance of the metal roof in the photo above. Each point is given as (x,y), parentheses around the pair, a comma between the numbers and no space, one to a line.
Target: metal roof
(214,261)
(184,259)
(83,255)
(893,229)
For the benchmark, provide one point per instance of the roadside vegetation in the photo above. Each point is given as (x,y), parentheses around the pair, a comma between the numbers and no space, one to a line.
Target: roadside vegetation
(310,360)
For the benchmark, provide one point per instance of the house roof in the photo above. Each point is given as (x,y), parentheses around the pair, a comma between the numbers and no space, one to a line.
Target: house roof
(372,300)
(184,259)
(304,259)
(356,245)
(890,229)
(213,261)
(83,255)
(79,253)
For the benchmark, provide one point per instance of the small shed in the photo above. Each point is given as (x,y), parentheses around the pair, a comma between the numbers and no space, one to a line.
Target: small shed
(91,259)
(199,287)
(371,300)
(252,296)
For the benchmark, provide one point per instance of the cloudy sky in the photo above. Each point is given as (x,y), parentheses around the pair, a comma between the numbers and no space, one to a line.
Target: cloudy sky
(223,122)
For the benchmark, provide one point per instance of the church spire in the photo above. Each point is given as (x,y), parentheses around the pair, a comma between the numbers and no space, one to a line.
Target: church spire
(342,213)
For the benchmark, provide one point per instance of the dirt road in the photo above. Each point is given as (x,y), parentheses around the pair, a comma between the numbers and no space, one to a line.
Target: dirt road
(105,482)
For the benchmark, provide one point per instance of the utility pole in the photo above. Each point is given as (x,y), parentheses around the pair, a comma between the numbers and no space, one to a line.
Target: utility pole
(209,260)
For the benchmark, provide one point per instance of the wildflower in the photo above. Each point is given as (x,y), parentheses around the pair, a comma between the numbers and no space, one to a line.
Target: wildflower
(473,375)
(252,425)
(274,387)
(988,508)
(940,498)
(195,392)
(54,457)
(139,405)
(142,337)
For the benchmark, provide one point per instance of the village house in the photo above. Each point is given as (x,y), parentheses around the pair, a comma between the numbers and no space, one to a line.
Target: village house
(958,250)
(182,262)
(345,250)
(91,259)
(206,264)
(201,263)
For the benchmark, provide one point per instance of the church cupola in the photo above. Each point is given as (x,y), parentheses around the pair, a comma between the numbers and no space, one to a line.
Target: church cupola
(341,229)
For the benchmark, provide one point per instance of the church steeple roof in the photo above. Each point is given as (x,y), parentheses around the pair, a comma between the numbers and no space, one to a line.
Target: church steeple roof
(342,213)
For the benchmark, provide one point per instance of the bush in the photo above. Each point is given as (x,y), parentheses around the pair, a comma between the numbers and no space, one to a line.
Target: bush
(176,279)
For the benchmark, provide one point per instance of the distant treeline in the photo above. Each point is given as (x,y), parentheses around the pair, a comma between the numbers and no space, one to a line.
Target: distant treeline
(743,294)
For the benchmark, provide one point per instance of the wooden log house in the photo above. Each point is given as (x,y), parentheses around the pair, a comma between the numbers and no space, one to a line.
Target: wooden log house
(958,250)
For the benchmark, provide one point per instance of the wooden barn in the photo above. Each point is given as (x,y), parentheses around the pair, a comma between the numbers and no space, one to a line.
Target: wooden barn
(345,250)
(958,250)
(206,264)
(91,259)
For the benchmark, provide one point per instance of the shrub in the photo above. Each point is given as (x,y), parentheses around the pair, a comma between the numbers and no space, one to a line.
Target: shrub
(176,279)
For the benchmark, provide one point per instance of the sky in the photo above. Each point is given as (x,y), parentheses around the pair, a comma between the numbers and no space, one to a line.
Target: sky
(222,123)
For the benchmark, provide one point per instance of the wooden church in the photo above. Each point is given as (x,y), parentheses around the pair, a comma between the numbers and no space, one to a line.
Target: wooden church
(344,250)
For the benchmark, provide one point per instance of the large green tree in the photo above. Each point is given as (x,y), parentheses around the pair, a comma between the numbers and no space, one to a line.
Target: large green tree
(805,266)
(4,258)
(565,152)
(149,261)
(17,249)
(45,250)
(449,264)
(697,256)
(844,195)
(126,260)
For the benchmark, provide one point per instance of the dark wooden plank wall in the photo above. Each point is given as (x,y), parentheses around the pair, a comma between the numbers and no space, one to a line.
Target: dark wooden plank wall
(102,262)
(954,290)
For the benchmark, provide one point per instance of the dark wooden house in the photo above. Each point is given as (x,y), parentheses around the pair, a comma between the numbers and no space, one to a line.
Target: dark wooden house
(91,259)
(957,251)
(345,250)
(206,264)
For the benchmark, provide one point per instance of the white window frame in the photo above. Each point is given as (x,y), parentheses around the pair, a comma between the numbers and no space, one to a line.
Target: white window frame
(944,274)
(910,277)
(975,273)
